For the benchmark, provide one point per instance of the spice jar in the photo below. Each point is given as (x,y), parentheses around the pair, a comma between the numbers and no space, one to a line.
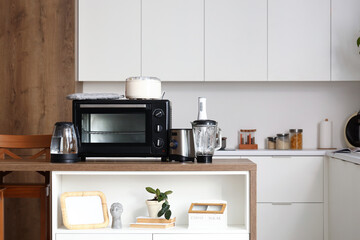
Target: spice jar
(247,136)
(271,142)
(282,141)
(296,138)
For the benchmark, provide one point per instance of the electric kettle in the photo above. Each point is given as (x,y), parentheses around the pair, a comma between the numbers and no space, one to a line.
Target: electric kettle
(181,145)
(64,146)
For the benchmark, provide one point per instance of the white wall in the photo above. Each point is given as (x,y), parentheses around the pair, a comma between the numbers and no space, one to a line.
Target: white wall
(270,107)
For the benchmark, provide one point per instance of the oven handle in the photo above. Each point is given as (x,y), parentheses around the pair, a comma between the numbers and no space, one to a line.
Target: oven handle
(112,105)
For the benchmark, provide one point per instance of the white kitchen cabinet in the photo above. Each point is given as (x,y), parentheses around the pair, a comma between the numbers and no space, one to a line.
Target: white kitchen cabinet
(173,39)
(345,30)
(201,236)
(235,40)
(290,179)
(290,197)
(344,200)
(299,40)
(296,221)
(187,186)
(109,39)
(96,236)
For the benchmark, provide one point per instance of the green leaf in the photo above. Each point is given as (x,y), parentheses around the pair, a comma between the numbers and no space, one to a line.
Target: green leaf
(164,204)
(168,192)
(150,190)
(358,42)
(163,210)
(168,214)
(160,198)
(157,192)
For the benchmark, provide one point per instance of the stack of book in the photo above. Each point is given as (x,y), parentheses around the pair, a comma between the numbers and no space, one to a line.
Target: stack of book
(148,222)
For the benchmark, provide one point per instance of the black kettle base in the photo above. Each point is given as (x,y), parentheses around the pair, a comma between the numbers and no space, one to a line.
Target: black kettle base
(64,158)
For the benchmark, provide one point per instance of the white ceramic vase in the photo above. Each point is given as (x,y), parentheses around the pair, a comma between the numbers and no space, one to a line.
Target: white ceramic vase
(154,207)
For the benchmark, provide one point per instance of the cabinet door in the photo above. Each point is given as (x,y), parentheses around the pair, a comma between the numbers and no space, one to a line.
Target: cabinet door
(235,40)
(289,179)
(297,221)
(198,236)
(98,236)
(173,39)
(344,200)
(344,33)
(299,42)
(109,39)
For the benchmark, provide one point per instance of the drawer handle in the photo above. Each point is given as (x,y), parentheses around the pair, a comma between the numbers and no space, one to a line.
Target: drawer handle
(281,203)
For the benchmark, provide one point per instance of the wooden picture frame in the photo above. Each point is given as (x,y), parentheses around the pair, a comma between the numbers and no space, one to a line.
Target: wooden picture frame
(204,208)
(84,210)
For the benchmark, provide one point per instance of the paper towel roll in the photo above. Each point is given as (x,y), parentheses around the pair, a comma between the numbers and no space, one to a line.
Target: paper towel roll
(325,130)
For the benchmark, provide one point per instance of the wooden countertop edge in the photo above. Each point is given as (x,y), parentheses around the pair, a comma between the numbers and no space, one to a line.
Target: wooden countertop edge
(217,165)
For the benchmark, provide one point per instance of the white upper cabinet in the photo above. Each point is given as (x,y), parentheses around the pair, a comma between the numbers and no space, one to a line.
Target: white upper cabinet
(109,39)
(235,40)
(299,40)
(345,32)
(173,39)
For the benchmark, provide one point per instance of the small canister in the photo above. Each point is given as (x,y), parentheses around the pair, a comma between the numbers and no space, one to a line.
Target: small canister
(296,138)
(282,141)
(271,142)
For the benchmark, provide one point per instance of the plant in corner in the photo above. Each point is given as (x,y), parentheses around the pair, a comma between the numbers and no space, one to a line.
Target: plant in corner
(159,205)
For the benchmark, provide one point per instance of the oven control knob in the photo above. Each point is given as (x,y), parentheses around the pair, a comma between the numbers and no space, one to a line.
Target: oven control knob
(159,143)
(158,128)
(158,113)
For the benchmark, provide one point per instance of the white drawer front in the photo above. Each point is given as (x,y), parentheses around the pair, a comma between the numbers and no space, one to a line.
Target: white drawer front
(297,221)
(289,179)
(201,236)
(98,236)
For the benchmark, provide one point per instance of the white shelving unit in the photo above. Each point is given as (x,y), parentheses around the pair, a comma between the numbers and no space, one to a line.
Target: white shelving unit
(128,188)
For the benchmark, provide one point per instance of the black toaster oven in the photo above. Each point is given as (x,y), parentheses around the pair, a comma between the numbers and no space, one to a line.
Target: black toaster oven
(123,128)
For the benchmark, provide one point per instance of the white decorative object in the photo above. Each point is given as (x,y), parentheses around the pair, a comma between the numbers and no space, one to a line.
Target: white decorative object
(208,214)
(116,210)
(154,207)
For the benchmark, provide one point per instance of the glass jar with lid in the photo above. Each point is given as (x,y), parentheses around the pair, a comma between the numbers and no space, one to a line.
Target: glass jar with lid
(296,139)
(282,141)
(271,142)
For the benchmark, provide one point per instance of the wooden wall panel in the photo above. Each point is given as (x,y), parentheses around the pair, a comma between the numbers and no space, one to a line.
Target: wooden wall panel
(37,71)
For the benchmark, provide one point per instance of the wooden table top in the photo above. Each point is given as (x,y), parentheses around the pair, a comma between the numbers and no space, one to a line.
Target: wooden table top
(126,165)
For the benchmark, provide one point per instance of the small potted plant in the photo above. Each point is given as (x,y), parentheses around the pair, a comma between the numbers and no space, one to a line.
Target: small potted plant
(159,205)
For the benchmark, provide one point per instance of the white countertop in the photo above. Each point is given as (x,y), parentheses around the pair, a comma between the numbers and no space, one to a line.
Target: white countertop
(349,157)
(266,152)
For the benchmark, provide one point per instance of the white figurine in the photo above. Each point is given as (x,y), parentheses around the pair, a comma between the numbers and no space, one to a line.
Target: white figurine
(116,211)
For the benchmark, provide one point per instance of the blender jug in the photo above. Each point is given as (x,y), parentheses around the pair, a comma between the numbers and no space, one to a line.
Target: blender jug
(64,143)
(207,139)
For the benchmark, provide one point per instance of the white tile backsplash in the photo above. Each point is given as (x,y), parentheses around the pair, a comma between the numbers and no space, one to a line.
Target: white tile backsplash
(270,107)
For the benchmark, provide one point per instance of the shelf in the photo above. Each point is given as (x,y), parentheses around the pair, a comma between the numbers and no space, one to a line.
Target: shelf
(238,229)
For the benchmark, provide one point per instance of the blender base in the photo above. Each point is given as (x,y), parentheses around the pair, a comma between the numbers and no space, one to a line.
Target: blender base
(204,159)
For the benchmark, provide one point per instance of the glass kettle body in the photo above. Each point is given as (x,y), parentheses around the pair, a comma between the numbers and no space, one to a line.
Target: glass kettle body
(64,143)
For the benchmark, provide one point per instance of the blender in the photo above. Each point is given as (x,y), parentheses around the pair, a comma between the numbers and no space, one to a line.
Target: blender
(207,135)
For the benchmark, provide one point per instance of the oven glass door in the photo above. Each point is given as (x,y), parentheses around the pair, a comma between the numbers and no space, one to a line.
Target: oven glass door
(116,125)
